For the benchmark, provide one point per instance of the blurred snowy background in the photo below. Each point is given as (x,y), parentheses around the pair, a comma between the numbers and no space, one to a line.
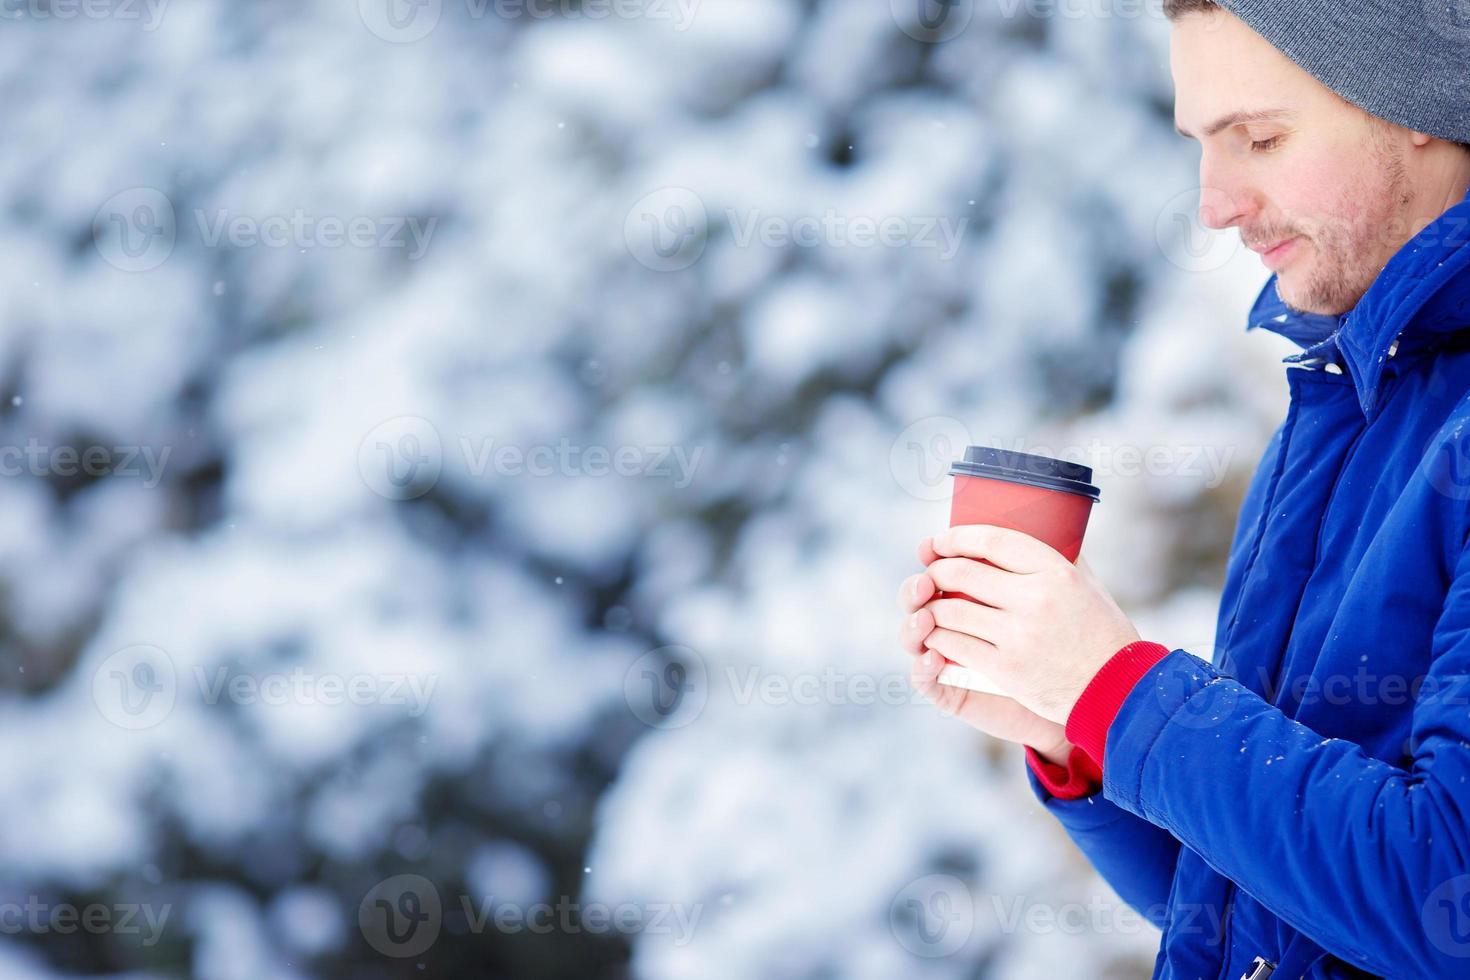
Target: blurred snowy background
(459,457)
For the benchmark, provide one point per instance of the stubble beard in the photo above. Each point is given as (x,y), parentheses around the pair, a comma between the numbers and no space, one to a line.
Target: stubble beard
(1348,253)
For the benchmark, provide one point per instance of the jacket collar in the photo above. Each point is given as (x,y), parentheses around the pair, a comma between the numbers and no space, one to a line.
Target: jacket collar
(1421,295)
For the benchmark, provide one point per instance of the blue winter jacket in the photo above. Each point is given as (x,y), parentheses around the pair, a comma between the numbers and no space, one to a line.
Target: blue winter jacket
(1306,797)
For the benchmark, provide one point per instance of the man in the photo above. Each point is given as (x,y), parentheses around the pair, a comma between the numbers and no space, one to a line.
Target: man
(1300,807)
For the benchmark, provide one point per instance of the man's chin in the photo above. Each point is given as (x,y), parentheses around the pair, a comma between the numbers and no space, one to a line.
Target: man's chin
(1289,288)
(1303,290)
(1320,309)
(1296,289)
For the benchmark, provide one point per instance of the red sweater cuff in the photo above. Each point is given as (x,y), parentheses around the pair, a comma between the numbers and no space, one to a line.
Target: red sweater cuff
(1078,778)
(1087,725)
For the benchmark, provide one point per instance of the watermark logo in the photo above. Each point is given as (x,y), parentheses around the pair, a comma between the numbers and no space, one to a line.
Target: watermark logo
(135,229)
(933,916)
(401,916)
(1187,243)
(667,687)
(400,21)
(1212,705)
(920,456)
(1446,917)
(401,459)
(1199,705)
(135,687)
(932,21)
(1446,461)
(667,231)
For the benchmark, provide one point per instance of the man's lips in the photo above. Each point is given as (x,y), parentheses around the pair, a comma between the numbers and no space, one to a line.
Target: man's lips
(1273,254)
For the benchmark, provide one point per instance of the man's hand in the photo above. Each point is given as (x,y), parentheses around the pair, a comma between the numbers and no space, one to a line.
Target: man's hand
(1042,628)
(992,714)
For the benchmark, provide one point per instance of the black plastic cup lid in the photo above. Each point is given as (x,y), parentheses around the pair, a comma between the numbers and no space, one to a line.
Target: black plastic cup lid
(1024,468)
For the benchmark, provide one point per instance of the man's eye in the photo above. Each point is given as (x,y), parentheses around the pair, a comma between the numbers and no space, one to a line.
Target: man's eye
(1267,144)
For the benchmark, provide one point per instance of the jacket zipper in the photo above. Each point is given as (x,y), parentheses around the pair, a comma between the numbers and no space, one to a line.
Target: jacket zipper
(1260,969)
(1227,916)
(1277,686)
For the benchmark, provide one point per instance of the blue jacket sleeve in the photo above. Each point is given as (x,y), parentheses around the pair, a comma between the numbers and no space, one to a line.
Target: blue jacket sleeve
(1370,860)
(1135,857)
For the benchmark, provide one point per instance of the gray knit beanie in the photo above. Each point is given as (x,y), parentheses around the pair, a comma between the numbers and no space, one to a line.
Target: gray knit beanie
(1407,61)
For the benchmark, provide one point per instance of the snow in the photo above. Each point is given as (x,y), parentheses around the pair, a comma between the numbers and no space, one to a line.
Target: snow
(325,506)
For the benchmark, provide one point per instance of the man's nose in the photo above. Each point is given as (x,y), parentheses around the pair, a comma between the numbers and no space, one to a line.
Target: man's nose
(1223,200)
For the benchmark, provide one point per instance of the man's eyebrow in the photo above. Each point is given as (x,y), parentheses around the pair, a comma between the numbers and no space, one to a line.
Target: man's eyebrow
(1237,117)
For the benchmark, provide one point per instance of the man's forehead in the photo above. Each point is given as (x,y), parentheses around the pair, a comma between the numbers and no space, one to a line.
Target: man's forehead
(1225,74)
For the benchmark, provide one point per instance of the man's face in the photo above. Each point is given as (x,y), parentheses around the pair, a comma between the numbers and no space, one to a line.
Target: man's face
(1320,177)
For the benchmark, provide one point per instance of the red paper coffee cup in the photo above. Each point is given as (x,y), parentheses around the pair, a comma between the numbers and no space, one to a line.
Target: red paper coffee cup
(1049,499)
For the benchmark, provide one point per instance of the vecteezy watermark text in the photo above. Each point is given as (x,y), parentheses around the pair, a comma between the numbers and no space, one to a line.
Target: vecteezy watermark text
(569,917)
(670,686)
(137,229)
(299,686)
(402,916)
(36,458)
(404,457)
(668,230)
(407,21)
(921,455)
(137,687)
(150,12)
(835,230)
(38,918)
(303,229)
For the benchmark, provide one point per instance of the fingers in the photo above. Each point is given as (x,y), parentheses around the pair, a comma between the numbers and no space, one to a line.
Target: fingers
(949,700)
(985,712)
(924,676)
(984,583)
(916,626)
(963,649)
(915,591)
(927,554)
(1001,546)
(964,616)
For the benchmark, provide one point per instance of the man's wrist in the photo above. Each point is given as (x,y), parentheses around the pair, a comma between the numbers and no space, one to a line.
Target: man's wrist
(1056,754)
(1074,778)
(1093,714)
